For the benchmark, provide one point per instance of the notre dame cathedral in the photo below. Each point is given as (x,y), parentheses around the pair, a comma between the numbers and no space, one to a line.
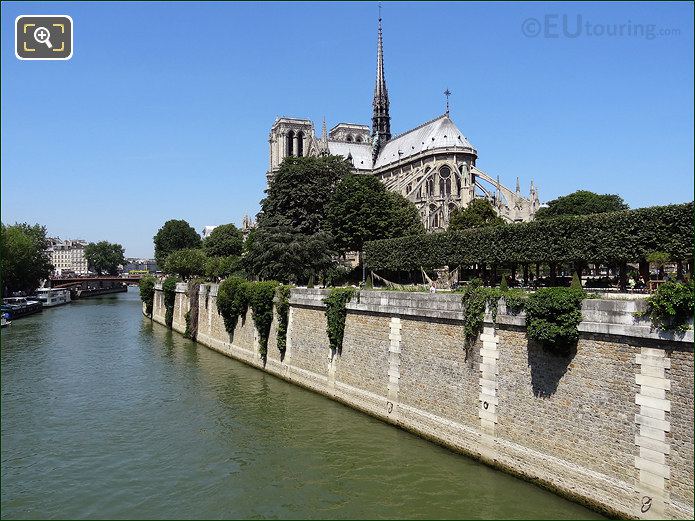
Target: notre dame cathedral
(433,165)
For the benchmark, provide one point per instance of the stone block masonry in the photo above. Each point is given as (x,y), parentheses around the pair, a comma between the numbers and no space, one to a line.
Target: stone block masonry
(609,425)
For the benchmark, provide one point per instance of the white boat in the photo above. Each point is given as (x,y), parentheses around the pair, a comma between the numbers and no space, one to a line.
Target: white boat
(51,297)
(3,321)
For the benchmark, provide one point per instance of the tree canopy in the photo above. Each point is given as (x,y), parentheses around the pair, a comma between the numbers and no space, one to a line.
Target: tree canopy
(478,214)
(186,263)
(362,209)
(301,190)
(225,240)
(104,257)
(283,253)
(290,241)
(25,261)
(582,202)
(176,234)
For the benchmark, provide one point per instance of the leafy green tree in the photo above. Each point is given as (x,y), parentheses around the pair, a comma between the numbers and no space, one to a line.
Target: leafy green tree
(362,209)
(224,241)
(174,235)
(290,241)
(186,263)
(223,267)
(582,202)
(283,253)
(25,261)
(301,191)
(104,257)
(478,214)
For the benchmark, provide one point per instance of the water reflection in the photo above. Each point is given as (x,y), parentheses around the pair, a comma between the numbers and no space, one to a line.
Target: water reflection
(105,414)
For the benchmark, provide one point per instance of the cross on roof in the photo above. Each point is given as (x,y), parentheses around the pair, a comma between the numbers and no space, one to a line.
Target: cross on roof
(447,93)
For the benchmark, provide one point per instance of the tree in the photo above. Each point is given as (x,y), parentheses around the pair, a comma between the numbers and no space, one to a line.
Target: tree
(281,252)
(186,263)
(25,261)
(362,209)
(301,190)
(225,240)
(104,257)
(174,235)
(223,267)
(582,202)
(290,241)
(478,214)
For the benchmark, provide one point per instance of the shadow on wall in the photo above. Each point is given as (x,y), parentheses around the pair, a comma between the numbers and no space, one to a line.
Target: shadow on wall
(547,368)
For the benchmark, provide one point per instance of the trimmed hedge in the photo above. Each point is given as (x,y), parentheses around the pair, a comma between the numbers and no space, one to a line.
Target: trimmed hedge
(607,238)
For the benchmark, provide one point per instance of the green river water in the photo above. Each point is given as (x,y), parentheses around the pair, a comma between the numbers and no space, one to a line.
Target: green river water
(108,415)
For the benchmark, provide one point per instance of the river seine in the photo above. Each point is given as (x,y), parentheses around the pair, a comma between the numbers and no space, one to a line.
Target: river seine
(108,415)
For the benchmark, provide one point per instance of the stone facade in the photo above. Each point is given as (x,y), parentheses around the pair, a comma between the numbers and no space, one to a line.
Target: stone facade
(609,425)
(433,165)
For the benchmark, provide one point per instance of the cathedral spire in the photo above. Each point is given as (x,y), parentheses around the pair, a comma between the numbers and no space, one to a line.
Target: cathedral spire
(381,121)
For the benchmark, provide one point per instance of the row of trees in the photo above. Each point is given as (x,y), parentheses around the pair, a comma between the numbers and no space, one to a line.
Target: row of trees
(180,250)
(315,211)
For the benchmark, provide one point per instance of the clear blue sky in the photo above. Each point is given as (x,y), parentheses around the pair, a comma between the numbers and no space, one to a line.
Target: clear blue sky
(164,110)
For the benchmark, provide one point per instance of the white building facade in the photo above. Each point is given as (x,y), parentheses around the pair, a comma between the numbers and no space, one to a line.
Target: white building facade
(68,256)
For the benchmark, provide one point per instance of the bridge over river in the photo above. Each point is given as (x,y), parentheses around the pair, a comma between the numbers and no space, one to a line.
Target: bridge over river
(81,287)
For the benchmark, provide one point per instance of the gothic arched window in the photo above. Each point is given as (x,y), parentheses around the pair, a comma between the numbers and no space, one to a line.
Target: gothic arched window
(445,181)
(300,144)
(349,138)
(434,216)
(358,139)
(289,141)
(429,186)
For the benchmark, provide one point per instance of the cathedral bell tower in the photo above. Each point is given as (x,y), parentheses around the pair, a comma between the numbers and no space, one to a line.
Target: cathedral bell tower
(381,121)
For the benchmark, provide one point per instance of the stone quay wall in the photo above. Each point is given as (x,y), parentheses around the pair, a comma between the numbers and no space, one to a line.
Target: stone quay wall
(610,425)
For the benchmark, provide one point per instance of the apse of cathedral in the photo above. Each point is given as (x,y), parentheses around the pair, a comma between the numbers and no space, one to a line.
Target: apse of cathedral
(433,165)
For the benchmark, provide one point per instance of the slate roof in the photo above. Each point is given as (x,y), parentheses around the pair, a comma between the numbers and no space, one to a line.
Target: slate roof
(361,153)
(438,133)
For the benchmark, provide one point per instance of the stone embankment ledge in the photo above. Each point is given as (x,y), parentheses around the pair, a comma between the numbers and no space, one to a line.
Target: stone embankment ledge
(609,425)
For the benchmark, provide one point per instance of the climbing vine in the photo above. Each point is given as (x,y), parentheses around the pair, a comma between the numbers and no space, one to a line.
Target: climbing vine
(552,317)
(260,297)
(474,300)
(169,290)
(232,302)
(282,306)
(192,314)
(147,293)
(336,313)
(671,306)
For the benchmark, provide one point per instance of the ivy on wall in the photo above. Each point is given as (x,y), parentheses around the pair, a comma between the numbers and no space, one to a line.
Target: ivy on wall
(671,306)
(336,313)
(147,293)
(552,317)
(260,298)
(232,303)
(282,307)
(474,300)
(607,238)
(169,291)
(235,296)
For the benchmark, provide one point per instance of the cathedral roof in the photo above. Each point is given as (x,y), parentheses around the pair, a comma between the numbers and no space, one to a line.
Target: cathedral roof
(438,133)
(360,153)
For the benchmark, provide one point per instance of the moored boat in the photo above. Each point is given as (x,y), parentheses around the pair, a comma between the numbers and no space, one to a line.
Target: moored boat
(17,307)
(51,297)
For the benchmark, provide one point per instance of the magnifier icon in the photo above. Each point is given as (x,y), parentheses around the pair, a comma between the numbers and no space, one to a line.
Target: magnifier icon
(42,35)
